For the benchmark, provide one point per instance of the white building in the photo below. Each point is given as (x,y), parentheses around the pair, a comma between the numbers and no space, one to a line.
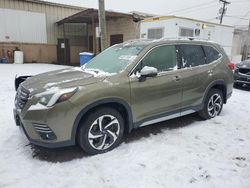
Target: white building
(174,27)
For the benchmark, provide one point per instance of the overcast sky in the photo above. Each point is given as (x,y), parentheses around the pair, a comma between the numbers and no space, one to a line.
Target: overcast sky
(237,12)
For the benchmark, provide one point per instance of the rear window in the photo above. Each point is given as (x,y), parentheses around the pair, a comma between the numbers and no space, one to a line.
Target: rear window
(191,55)
(211,54)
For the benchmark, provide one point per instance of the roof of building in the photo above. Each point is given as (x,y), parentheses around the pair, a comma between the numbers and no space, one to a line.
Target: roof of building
(158,18)
(87,15)
(54,4)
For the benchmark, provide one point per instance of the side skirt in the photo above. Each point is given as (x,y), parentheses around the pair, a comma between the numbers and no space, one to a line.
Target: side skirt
(167,116)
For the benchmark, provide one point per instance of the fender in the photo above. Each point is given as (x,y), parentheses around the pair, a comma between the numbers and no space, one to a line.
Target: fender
(97,103)
(212,84)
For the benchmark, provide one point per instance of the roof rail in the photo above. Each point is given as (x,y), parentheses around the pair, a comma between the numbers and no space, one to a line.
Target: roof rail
(183,38)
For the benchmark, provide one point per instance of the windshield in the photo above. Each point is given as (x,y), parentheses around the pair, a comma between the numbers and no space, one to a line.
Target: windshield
(114,59)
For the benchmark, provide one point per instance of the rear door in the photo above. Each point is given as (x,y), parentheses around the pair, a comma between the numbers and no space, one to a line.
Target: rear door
(158,96)
(196,75)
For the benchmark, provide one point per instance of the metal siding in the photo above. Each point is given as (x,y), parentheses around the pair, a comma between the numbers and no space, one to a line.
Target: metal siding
(23,26)
(53,14)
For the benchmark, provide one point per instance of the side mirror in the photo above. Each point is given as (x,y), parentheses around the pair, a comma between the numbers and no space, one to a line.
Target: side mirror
(147,72)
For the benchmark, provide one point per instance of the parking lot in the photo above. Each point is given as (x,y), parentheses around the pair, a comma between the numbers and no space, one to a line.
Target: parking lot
(183,152)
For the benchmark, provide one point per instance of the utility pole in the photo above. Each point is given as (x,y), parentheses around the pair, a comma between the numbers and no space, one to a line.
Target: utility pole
(102,25)
(248,42)
(223,9)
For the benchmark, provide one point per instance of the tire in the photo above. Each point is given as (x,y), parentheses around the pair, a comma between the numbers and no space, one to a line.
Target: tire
(95,137)
(213,104)
(236,84)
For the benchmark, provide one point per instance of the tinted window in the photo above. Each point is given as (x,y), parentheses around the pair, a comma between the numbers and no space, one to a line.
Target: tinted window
(211,54)
(191,55)
(163,58)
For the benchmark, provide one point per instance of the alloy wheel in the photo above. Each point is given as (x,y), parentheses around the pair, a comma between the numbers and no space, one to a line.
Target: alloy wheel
(103,132)
(214,105)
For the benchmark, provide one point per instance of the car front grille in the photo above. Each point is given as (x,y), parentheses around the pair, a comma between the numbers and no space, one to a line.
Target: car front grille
(22,96)
(244,71)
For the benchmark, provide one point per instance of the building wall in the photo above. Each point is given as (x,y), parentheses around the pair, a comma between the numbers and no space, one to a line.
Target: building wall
(76,33)
(240,36)
(129,29)
(33,53)
(22,26)
(37,52)
(53,14)
(125,26)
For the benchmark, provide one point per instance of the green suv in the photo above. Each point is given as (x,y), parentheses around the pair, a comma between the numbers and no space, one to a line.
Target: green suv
(129,85)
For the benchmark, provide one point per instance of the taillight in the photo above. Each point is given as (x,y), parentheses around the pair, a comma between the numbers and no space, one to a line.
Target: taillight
(231,66)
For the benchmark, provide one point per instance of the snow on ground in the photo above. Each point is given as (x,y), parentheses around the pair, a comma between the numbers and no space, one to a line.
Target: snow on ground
(184,152)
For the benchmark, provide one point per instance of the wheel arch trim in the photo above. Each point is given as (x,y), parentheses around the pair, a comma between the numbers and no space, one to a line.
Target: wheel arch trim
(98,103)
(211,85)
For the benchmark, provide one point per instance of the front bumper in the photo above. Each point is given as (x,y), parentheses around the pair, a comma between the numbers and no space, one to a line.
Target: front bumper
(48,128)
(241,78)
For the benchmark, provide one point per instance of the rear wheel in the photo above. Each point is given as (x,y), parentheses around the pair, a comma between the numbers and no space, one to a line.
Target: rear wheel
(101,131)
(213,104)
(237,84)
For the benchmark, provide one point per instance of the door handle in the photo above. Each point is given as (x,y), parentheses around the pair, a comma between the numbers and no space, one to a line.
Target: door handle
(177,78)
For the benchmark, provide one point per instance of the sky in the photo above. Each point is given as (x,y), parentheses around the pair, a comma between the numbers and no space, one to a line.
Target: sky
(238,12)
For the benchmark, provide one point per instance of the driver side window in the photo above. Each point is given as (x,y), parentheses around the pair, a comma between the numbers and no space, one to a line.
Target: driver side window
(162,58)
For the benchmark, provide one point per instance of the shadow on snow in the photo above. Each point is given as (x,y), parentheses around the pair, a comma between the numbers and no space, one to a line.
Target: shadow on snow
(74,152)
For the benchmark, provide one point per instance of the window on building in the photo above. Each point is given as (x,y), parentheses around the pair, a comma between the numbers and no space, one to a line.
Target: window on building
(163,58)
(211,54)
(156,33)
(186,32)
(191,55)
(116,39)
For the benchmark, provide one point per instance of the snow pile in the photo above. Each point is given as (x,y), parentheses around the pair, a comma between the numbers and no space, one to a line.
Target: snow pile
(184,152)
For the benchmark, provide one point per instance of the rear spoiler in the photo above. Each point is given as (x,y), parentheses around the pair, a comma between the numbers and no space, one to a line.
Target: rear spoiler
(19,80)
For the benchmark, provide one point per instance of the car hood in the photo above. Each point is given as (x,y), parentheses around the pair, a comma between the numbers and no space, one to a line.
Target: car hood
(64,78)
(244,64)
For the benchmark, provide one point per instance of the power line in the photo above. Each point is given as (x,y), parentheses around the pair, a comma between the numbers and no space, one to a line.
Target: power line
(191,11)
(245,15)
(191,7)
(236,17)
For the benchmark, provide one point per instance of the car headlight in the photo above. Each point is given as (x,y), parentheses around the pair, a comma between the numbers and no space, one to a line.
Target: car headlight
(45,99)
(51,99)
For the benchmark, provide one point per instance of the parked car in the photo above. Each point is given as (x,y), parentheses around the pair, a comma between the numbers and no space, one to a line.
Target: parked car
(242,73)
(129,85)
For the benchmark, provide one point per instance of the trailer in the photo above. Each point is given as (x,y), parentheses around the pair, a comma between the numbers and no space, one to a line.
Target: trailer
(176,27)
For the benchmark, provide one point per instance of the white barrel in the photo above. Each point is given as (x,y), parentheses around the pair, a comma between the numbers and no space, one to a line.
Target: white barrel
(18,57)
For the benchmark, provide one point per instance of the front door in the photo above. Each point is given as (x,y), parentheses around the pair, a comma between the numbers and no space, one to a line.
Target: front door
(63,52)
(158,97)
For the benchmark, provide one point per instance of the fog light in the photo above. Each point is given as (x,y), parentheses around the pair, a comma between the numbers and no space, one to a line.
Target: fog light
(44,131)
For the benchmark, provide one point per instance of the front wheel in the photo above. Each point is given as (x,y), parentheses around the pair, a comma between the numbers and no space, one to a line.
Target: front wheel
(213,104)
(101,131)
